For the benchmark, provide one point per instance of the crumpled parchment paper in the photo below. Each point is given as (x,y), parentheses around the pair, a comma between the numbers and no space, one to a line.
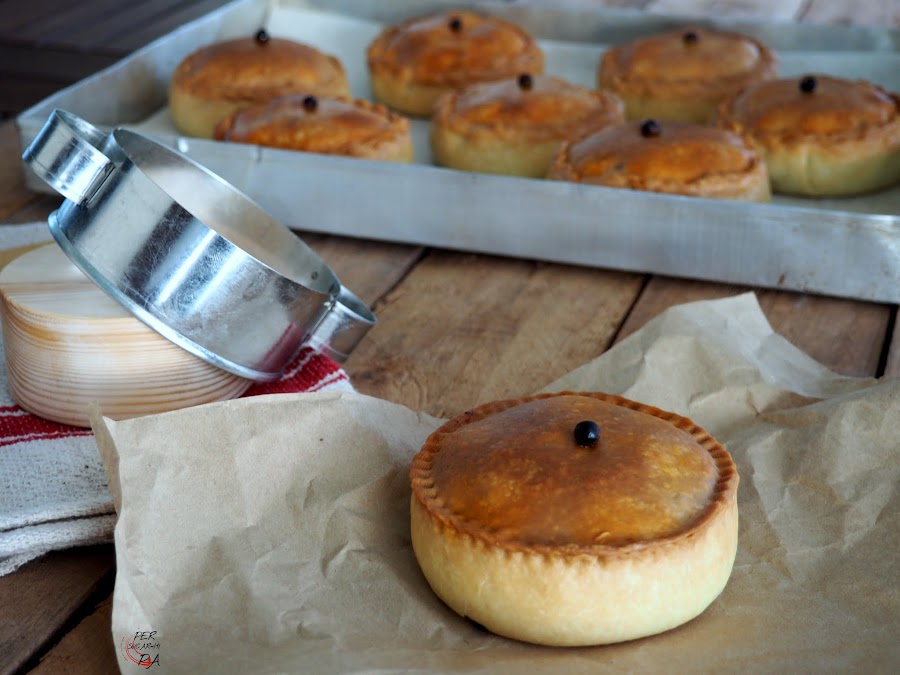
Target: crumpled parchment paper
(271,534)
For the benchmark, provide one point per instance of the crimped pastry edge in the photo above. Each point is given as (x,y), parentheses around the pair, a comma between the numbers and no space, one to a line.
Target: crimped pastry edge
(396,85)
(576,600)
(393,146)
(197,115)
(423,487)
(752,185)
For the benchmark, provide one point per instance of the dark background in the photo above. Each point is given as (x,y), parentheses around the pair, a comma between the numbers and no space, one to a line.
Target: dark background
(46,45)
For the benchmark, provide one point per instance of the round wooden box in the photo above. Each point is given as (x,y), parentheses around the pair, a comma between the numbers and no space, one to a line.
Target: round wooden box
(67,344)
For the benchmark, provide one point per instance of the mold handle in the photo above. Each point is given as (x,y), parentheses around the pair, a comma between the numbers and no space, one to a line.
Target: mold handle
(66,155)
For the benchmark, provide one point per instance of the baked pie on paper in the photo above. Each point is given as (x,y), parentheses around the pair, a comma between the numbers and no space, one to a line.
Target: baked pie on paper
(575,518)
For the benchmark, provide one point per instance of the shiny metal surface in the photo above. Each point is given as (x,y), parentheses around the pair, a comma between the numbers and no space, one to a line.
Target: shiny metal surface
(191,256)
(343,327)
(66,155)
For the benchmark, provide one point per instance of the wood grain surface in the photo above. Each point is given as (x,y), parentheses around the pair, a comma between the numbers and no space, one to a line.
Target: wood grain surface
(844,335)
(454,329)
(40,601)
(464,329)
(70,655)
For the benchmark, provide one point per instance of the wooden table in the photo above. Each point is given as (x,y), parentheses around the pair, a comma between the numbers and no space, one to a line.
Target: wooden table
(455,329)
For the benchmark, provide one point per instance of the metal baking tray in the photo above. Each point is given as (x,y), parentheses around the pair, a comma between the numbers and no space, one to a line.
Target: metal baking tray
(847,247)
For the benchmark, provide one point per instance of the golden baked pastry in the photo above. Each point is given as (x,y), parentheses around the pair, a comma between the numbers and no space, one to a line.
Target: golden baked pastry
(414,62)
(669,156)
(324,125)
(217,79)
(820,135)
(575,518)
(515,126)
(683,74)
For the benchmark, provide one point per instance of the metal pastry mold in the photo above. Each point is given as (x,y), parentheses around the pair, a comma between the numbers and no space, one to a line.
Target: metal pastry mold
(190,255)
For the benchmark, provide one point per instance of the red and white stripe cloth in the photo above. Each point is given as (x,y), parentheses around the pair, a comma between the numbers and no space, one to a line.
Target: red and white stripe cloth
(53,489)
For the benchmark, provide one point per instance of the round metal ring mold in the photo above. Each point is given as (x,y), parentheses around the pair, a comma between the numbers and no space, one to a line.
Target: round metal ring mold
(196,259)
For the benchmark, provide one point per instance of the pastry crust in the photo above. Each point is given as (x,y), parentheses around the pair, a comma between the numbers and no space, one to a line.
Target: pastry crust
(412,63)
(682,158)
(216,80)
(323,125)
(840,138)
(515,126)
(683,74)
(537,538)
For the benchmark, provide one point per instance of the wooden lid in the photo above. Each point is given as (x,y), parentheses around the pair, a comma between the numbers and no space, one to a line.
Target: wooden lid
(67,345)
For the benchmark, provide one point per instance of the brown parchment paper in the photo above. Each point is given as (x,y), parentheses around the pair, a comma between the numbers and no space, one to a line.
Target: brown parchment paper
(270,534)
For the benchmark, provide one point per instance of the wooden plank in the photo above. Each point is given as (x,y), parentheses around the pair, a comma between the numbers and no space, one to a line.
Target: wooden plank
(847,336)
(54,63)
(664,292)
(17,14)
(72,18)
(119,22)
(161,25)
(40,597)
(36,210)
(110,26)
(18,93)
(58,45)
(844,335)
(369,269)
(87,648)
(464,329)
